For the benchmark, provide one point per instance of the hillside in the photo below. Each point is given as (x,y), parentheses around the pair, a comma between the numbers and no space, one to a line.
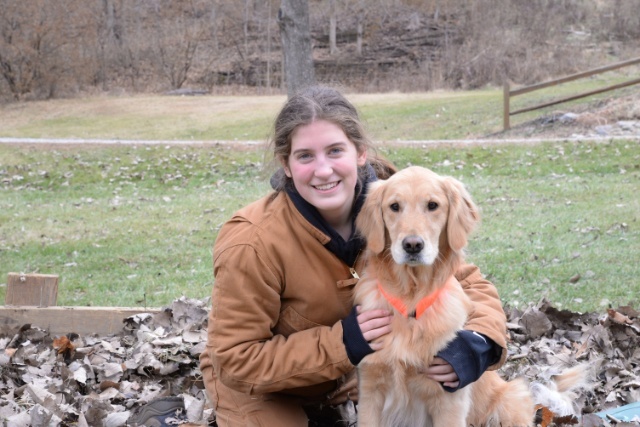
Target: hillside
(227,46)
(402,46)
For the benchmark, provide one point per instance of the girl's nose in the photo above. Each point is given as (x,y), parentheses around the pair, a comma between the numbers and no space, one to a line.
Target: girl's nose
(323,168)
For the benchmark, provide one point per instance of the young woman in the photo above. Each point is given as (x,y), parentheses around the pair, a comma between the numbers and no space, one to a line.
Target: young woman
(283,337)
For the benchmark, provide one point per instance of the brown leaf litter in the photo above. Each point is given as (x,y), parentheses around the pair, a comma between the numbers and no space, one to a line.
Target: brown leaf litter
(97,381)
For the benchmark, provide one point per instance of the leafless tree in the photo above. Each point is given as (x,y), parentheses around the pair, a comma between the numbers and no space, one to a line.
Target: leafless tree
(333,23)
(30,52)
(359,9)
(293,19)
(51,48)
(178,31)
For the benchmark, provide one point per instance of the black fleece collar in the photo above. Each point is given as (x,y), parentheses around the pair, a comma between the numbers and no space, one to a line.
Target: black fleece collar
(348,250)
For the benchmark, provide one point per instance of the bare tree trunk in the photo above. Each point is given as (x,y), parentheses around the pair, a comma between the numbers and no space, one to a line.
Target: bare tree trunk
(107,41)
(214,25)
(245,27)
(360,10)
(293,19)
(359,32)
(268,83)
(333,23)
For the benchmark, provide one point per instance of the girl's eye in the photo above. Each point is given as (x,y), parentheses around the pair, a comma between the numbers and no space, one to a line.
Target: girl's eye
(395,207)
(432,206)
(336,150)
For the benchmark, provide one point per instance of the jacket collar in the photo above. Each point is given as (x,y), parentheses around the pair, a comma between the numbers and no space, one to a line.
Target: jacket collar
(348,250)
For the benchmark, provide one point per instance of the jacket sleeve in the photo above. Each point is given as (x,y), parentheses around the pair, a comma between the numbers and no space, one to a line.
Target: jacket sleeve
(469,354)
(356,345)
(488,317)
(247,355)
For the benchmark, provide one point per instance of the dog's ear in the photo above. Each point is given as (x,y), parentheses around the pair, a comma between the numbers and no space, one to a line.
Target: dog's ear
(463,213)
(370,223)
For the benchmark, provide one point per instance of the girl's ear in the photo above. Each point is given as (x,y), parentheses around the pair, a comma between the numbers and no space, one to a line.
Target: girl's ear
(362,158)
(370,222)
(285,167)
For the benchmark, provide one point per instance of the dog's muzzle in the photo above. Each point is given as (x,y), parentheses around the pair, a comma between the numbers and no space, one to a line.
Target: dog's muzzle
(413,250)
(413,245)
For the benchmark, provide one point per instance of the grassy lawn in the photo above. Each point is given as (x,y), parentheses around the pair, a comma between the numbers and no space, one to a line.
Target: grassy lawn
(415,116)
(389,116)
(129,225)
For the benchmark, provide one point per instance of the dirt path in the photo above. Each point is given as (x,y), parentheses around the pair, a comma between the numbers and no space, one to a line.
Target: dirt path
(260,144)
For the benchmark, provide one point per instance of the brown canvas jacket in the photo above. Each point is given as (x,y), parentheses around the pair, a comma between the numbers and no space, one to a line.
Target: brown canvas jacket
(278,300)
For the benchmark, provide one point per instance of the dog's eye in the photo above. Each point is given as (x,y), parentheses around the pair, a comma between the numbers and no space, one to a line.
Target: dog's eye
(395,207)
(432,206)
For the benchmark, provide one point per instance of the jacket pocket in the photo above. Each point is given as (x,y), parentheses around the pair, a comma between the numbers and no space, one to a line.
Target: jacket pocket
(291,321)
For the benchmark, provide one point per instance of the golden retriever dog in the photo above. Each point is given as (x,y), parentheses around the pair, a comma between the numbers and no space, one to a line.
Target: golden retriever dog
(416,225)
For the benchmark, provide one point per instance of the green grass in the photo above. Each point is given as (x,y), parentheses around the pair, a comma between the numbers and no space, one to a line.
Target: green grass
(443,116)
(135,225)
(143,117)
(552,212)
(389,117)
(120,225)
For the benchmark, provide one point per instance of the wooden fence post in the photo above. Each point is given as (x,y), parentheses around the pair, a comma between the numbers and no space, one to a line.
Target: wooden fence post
(32,289)
(506,94)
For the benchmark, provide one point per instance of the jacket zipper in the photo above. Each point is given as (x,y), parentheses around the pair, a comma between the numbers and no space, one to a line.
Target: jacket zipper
(352,269)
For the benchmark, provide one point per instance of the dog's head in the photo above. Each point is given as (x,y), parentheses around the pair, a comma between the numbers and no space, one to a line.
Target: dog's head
(417,214)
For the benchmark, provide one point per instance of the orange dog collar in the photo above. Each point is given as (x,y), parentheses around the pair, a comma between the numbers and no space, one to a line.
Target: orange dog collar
(422,306)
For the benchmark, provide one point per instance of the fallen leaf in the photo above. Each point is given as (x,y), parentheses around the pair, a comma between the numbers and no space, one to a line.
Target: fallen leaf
(63,345)
(544,417)
(618,317)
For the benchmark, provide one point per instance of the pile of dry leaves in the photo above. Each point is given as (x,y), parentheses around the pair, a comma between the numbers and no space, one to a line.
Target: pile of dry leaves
(545,341)
(98,381)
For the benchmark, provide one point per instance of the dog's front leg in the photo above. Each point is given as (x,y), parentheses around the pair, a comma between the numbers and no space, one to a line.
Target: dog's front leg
(371,397)
(452,409)
(370,406)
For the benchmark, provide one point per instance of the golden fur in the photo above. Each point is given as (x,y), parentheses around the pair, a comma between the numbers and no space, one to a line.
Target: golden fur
(416,224)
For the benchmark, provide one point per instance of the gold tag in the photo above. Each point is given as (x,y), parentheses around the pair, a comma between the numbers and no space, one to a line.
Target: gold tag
(354,273)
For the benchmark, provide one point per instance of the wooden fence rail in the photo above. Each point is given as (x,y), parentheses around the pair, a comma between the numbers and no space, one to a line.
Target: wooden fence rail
(508,93)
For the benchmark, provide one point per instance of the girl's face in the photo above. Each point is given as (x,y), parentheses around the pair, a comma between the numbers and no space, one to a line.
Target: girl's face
(323,165)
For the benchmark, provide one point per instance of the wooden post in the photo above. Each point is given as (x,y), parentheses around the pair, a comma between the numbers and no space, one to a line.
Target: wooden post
(506,99)
(32,290)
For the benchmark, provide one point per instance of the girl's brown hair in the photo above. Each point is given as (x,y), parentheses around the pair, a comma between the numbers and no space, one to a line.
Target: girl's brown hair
(321,103)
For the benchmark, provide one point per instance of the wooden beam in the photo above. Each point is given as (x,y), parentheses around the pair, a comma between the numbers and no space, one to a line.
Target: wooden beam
(575,77)
(63,320)
(582,95)
(31,289)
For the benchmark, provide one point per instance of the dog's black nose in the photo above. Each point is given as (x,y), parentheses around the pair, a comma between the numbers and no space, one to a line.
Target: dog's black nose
(412,244)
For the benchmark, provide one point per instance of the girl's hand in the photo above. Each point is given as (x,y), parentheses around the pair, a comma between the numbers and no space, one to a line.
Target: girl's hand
(348,390)
(442,372)
(374,324)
